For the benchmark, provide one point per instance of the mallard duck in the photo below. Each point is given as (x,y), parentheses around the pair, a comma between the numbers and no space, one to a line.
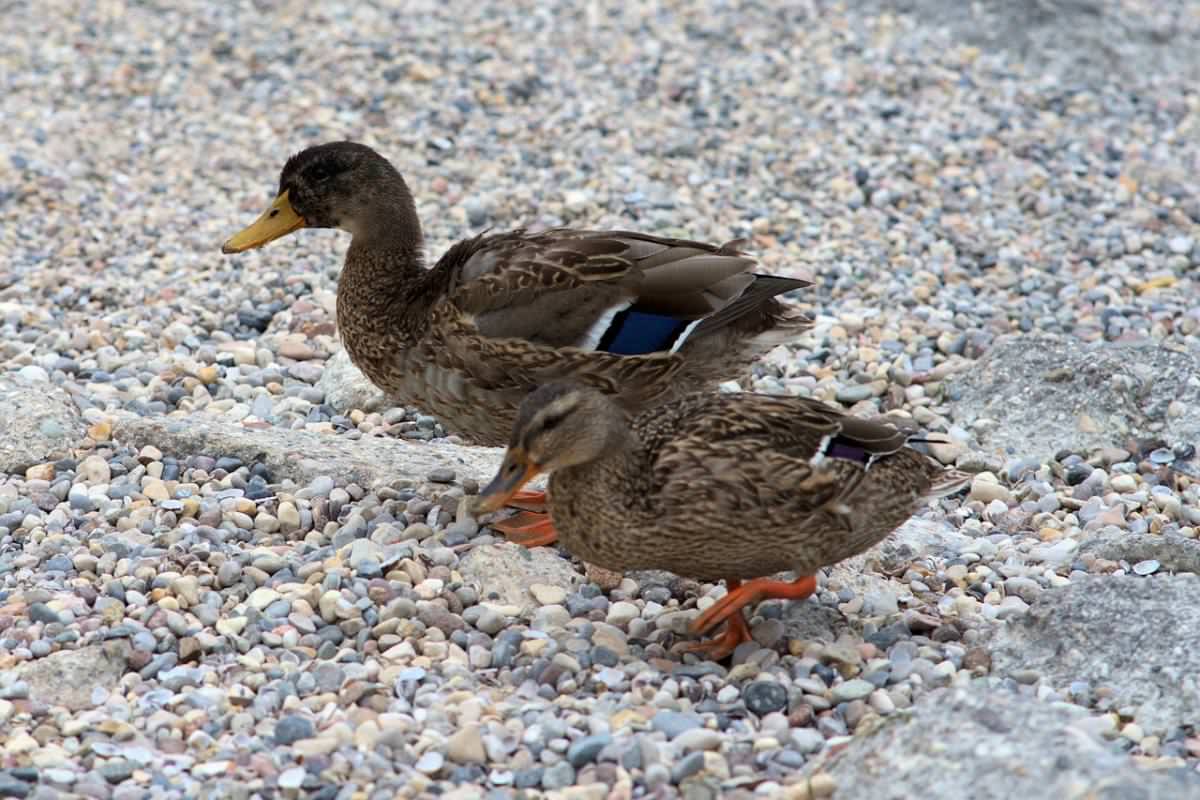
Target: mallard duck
(641,318)
(712,486)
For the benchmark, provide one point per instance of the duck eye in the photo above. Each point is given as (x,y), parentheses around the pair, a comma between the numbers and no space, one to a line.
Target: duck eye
(550,423)
(323,171)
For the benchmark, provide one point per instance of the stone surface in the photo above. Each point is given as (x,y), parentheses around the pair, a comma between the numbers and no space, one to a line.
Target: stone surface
(991,745)
(305,455)
(504,573)
(346,388)
(1043,394)
(38,422)
(1074,41)
(67,678)
(1174,553)
(1124,633)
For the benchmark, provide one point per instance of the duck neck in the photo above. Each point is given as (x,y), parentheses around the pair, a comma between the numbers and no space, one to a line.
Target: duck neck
(611,471)
(384,265)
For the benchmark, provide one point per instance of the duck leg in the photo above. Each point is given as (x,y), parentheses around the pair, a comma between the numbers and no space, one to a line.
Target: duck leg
(736,632)
(729,608)
(528,529)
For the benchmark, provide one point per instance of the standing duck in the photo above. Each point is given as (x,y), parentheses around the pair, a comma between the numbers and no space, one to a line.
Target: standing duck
(712,486)
(638,317)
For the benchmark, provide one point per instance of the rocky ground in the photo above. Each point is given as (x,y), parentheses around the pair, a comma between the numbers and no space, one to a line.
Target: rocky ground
(229,568)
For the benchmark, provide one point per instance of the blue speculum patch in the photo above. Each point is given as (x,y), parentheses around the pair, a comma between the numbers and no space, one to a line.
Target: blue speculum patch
(637,332)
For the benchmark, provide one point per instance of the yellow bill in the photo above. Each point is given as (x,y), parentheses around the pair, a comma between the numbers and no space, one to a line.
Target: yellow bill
(515,472)
(278,220)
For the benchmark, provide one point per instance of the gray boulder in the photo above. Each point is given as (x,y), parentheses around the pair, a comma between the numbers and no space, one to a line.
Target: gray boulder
(1136,636)
(39,422)
(1089,42)
(1047,393)
(991,744)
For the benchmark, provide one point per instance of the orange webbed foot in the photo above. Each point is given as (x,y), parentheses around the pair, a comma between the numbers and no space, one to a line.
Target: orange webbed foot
(528,501)
(528,529)
(741,595)
(736,631)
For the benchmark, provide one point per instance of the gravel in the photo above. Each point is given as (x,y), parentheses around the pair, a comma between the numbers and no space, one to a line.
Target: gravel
(229,567)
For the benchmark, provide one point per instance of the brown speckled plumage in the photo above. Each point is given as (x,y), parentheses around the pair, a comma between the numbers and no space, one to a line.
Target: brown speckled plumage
(500,314)
(716,486)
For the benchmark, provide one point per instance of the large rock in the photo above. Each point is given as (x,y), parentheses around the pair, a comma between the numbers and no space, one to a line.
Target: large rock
(990,744)
(504,573)
(1173,552)
(38,422)
(346,388)
(1088,42)
(303,455)
(1136,636)
(1048,393)
(67,678)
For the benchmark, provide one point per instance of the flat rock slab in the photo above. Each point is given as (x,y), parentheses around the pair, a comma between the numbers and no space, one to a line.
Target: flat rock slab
(1174,553)
(304,455)
(1047,393)
(39,422)
(1077,41)
(1136,636)
(67,678)
(992,744)
(504,573)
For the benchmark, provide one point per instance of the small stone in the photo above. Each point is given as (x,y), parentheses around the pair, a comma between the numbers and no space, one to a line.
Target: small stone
(621,613)
(1180,245)
(687,766)
(548,595)
(1147,567)
(1124,484)
(100,432)
(584,751)
(673,723)
(763,697)
(292,778)
(806,740)
(40,472)
(466,746)
(855,689)
(40,612)
(698,739)
(293,728)
(985,488)
(288,515)
(94,469)
(430,762)
(441,475)
(558,776)
(156,490)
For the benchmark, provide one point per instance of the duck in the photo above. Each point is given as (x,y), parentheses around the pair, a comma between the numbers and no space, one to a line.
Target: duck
(712,486)
(639,317)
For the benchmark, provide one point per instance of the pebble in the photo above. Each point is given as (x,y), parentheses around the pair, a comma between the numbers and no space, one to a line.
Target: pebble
(585,750)
(763,697)
(673,723)
(430,763)
(548,595)
(291,729)
(466,746)
(855,689)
